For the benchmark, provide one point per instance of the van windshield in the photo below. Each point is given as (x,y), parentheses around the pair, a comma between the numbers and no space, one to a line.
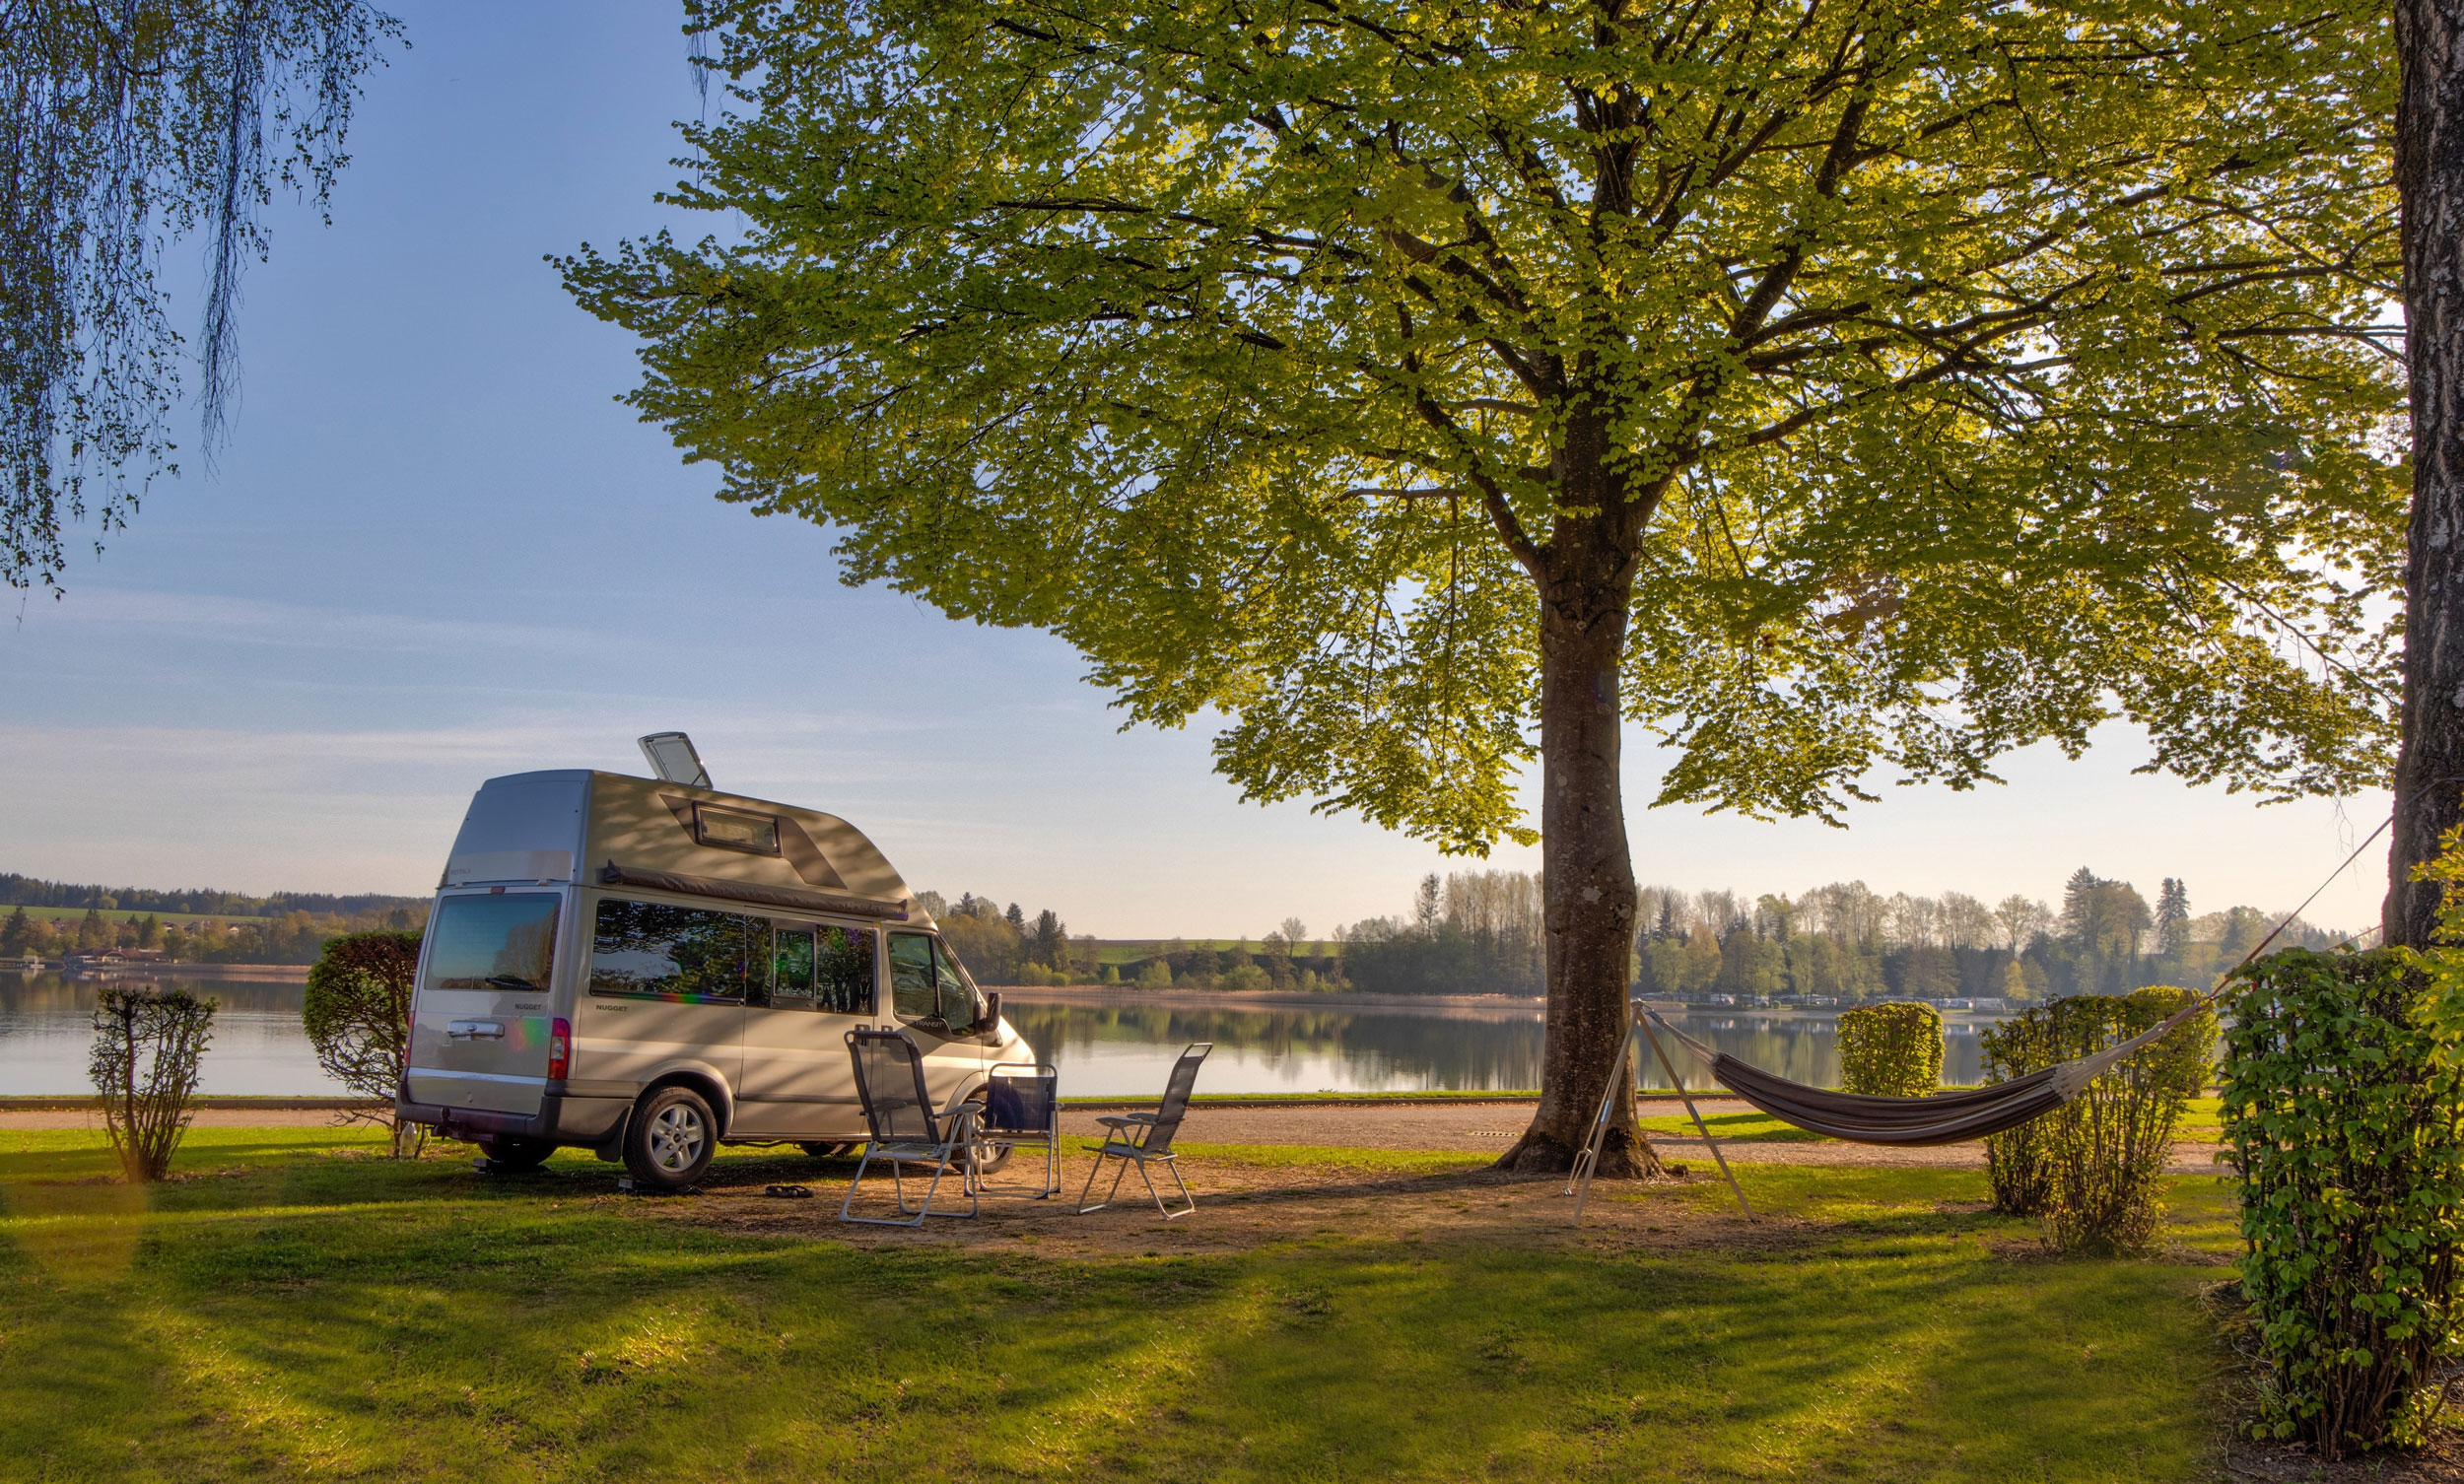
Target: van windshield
(493,942)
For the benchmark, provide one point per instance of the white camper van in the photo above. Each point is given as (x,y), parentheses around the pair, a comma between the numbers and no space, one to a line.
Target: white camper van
(652,969)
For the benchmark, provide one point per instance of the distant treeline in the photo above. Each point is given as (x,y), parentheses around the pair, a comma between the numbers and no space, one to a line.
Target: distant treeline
(1483,933)
(295,937)
(34,891)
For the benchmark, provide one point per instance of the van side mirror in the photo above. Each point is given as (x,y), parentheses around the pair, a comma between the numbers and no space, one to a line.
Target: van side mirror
(991,1010)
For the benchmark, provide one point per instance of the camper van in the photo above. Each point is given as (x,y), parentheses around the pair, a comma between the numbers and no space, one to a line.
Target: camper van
(651,969)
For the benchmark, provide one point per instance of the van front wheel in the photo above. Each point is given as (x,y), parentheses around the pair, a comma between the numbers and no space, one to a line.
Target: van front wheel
(670,1138)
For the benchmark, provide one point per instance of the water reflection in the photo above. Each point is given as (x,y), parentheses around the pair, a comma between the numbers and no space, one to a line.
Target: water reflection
(1125,1048)
(46,1030)
(1121,1048)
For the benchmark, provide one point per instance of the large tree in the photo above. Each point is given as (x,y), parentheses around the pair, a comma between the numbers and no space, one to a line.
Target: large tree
(124,127)
(2430,175)
(1828,388)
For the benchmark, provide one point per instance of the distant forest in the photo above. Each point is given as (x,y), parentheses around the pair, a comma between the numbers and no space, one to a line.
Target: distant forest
(1482,932)
(34,891)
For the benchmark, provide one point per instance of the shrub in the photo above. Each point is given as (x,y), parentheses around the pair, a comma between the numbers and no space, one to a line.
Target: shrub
(358,1016)
(1154,974)
(1890,1050)
(2341,1114)
(2094,1166)
(1246,976)
(148,1045)
(2019,1163)
(2112,1142)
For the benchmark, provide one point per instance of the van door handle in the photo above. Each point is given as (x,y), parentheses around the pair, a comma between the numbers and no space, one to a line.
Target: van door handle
(476,1030)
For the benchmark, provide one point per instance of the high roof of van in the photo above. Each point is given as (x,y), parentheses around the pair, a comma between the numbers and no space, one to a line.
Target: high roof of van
(591,828)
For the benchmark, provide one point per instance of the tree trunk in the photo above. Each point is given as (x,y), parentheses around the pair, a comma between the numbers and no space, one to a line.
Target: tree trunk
(1587,875)
(2430,175)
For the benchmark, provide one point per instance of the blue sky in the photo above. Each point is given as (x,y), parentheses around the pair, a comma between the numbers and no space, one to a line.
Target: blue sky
(436,550)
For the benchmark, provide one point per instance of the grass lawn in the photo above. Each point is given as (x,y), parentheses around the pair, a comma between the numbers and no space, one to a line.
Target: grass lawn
(293,1306)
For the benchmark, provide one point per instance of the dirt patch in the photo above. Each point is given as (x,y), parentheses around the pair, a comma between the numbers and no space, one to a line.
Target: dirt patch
(1490,1127)
(2441,1462)
(203,1118)
(1241,1207)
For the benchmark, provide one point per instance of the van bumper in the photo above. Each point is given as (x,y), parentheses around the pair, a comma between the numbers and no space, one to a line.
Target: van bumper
(562,1119)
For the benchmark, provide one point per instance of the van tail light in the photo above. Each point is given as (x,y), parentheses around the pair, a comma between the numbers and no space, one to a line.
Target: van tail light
(560,1048)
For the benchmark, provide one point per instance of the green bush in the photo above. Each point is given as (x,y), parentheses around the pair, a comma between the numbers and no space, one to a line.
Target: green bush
(148,1043)
(357,1012)
(2094,1166)
(2341,1114)
(2019,1163)
(1890,1050)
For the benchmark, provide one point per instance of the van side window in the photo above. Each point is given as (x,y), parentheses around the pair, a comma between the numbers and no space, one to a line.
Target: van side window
(844,972)
(791,967)
(959,1005)
(676,953)
(914,992)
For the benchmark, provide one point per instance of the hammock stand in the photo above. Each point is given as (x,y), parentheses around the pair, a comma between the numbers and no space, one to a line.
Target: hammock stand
(1909,1122)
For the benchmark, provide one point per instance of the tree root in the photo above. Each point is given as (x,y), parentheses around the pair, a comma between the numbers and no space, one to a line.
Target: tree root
(1622,1156)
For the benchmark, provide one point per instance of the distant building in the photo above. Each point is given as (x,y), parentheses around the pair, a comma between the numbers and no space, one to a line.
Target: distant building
(113,958)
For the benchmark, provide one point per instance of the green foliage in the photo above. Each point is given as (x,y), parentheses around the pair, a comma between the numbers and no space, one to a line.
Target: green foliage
(2341,1111)
(2094,1166)
(356,1011)
(146,1046)
(127,127)
(1908,382)
(1890,1050)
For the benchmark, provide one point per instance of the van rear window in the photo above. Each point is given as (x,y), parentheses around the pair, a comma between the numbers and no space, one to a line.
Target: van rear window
(493,942)
(678,953)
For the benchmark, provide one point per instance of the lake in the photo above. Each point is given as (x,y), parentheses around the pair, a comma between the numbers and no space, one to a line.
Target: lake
(1118,1046)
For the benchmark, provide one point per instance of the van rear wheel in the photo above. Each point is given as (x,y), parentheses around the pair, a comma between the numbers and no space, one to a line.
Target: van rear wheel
(670,1138)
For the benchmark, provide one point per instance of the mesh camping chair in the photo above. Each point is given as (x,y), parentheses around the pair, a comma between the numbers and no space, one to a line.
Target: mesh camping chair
(903,1128)
(1152,1141)
(1021,1110)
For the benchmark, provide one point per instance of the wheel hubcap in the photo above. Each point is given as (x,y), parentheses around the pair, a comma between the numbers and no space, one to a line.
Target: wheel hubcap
(676,1137)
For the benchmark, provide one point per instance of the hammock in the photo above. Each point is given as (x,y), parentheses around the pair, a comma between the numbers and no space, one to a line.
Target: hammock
(1906,1122)
(1943,1118)
(1857,1117)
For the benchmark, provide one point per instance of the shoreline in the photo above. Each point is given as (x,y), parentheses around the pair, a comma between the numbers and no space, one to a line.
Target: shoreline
(269,972)
(1274,999)
(1281,1000)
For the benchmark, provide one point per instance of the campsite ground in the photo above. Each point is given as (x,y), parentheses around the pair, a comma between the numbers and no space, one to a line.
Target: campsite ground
(295,1306)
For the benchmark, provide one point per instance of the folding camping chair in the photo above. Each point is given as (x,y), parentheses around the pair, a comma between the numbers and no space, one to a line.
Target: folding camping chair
(903,1128)
(1021,1110)
(1152,1141)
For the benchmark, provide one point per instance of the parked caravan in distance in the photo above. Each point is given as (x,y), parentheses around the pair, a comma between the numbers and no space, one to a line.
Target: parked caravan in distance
(651,969)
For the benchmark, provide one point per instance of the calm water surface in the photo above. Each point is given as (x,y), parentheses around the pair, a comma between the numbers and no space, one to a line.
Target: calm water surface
(1102,1049)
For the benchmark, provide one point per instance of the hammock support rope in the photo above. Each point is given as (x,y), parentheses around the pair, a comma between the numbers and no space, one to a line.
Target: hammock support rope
(1904,1122)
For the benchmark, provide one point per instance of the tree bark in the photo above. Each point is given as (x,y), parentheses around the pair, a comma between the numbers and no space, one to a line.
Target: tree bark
(1587,875)
(2430,178)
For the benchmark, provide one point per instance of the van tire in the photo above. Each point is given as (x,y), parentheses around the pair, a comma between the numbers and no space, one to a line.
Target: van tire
(670,1138)
(517,1153)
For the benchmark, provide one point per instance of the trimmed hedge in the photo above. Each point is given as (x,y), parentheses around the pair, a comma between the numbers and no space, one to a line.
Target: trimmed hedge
(2094,1166)
(1890,1050)
(2341,1111)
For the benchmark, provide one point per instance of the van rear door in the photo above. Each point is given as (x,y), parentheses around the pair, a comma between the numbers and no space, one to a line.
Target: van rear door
(479,1028)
